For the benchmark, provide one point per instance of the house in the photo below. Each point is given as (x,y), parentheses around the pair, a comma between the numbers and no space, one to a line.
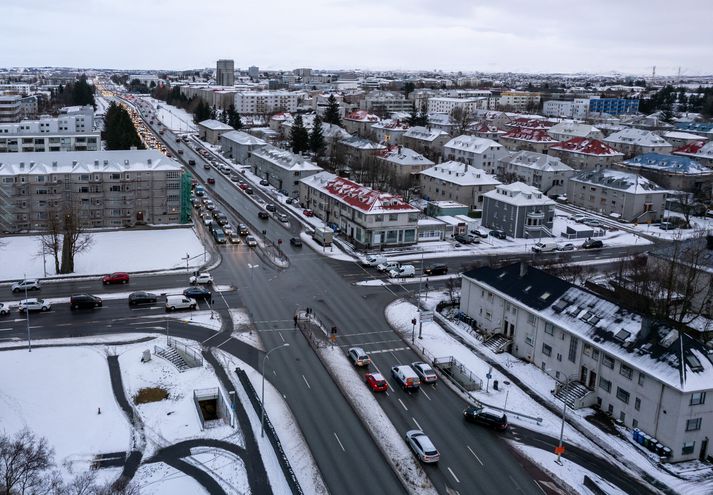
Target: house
(677,173)
(518,101)
(586,154)
(528,123)
(281,168)
(634,142)
(456,181)
(389,131)
(332,133)
(680,138)
(519,210)
(528,139)
(478,152)
(576,109)
(699,151)
(546,173)
(631,197)
(359,122)
(210,130)
(369,218)
(402,163)
(238,145)
(72,130)
(425,140)
(487,131)
(613,106)
(703,129)
(567,130)
(355,152)
(644,373)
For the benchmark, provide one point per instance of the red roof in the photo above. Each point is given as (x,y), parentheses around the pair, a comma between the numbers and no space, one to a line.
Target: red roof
(529,123)
(527,134)
(365,198)
(690,148)
(586,146)
(362,116)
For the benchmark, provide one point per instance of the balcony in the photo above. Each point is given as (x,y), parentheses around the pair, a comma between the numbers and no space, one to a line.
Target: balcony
(536,215)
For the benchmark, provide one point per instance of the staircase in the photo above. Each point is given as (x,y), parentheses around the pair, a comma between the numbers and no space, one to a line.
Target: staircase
(571,393)
(172,356)
(498,343)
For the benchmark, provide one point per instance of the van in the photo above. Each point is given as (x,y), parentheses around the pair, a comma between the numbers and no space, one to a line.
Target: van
(179,302)
(373,260)
(406,377)
(403,271)
(544,247)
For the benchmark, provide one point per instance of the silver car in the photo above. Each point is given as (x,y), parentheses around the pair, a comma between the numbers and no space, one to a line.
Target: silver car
(29,284)
(422,446)
(34,304)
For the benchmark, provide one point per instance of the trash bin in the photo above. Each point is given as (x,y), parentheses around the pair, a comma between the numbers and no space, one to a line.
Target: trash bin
(495,385)
(636,433)
(652,444)
(644,439)
(666,453)
(659,449)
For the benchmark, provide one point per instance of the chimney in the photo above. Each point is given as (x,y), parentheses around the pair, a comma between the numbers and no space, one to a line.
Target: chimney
(523,269)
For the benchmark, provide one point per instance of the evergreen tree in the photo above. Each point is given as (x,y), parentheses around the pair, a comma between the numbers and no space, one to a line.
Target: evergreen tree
(316,137)
(119,130)
(299,138)
(237,123)
(213,113)
(408,88)
(417,118)
(202,112)
(331,114)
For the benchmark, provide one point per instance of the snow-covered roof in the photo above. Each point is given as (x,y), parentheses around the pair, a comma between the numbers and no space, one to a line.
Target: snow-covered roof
(424,133)
(574,129)
(243,138)
(639,137)
(363,198)
(472,144)
(404,156)
(530,123)
(391,124)
(361,116)
(285,159)
(519,194)
(66,162)
(618,179)
(669,163)
(682,135)
(537,161)
(215,125)
(696,149)
(362,143)
(460,174)
(584,146)
(530,135)
(704,127)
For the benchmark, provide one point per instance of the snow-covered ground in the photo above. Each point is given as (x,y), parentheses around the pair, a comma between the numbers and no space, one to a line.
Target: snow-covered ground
(176,119)
(125,250)
(161,479)
(208,319)
(225,467)
(242,329)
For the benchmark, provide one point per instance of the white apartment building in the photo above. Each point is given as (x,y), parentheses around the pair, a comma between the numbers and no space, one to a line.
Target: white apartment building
(643,373)
(634,142)
(281,168)
(262,102)
(576,109)
(479,152)
(456,181)
(443,104)
(546,173)
(10,108)
(518,101)
(562,131)
(70,131)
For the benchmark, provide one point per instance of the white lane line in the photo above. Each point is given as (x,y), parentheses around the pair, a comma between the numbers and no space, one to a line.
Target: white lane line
(417,425)
(206,340)
(225,341)
(63,324)
(475,455)
(339,441)
(7,329)
(454,475)
(424,393)
(515,483)
(403,405)
(283,338)
(537,483)
(306,382)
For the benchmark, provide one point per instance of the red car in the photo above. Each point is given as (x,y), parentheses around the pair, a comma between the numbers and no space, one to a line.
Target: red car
(243,186)
(308,213)
(116,278)
(211,180)
(376,382)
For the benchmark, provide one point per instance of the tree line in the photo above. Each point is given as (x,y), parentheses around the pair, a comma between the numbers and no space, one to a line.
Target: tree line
(119,131)
(670,99)
(79,92)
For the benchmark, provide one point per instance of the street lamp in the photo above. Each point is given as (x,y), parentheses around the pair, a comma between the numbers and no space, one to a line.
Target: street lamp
(27,314)
(262,395)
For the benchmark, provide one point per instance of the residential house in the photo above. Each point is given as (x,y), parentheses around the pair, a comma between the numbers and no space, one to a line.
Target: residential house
(519,210)
(488,131)
(567,130)
(239,145)
(634,142)
(527,139)
(355,152)
(210,130)
(680,138)
(456,181)
(703,129)
(402,163)
(359,122)
(472,150)
(676,173)
(699,151)
(281,168)
(586,154)
(425,140)
(389,131)
(546,173)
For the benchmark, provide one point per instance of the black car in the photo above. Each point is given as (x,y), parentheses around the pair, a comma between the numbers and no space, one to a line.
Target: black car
(289,201)
(270,207)
(463,239)
(206,166)
(249,190)
(488,417)
(593,244)
(296,241)
(198,293)
(263,215)
(436,270)
(264,182)
(498,234)
(137,298)
(84,301)
(191,162)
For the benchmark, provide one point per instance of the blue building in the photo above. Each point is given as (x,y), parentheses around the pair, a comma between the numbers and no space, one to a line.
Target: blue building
(613,106)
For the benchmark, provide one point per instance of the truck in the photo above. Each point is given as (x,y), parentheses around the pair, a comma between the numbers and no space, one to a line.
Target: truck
(323,235)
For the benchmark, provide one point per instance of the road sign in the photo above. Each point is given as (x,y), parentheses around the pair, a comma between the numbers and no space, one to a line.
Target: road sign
(559,450)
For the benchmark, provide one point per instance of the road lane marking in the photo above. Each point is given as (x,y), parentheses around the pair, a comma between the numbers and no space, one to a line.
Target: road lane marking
(225,341)
(454,475)
(306,382)
(417,425)
(424,393)
(63,324)
(340,442)
(8,329)
(283,338)
(537,483)
(475,455)
(515,483)
(403,405)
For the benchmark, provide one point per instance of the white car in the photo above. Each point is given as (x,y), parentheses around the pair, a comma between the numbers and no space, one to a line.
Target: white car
(424,372)
(358,356)
(34,304)
(422,446)
(30,284)
(201,278)
(179,302)
(403,271)
(4,310)
(388,266)
(251,241)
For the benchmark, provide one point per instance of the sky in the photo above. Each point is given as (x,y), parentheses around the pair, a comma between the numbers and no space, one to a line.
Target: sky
(598,36)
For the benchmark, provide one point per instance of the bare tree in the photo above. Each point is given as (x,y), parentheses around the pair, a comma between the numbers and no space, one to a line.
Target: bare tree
(24,458)
(461,119)
(51,240)
(75,239)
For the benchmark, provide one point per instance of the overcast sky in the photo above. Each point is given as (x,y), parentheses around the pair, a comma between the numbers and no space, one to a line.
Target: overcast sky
(487,35)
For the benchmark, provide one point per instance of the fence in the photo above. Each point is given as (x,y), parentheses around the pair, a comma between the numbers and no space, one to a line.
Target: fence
(271,434)
(458,372)
(189,355)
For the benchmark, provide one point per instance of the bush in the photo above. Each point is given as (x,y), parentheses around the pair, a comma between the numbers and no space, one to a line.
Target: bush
(150,394)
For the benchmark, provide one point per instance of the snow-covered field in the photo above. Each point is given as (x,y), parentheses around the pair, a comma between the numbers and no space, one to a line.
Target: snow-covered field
(125,250)
(161,479)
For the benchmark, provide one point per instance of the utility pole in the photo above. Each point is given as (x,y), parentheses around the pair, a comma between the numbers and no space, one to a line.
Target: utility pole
(27,315)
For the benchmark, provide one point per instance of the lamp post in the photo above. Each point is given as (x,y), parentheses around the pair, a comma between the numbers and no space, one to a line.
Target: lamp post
(262,394)
(27,315)
(560,447)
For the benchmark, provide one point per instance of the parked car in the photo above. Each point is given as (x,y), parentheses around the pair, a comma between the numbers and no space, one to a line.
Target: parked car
(243,185)
(478,233)
(289,201)
(465,238)
(666,226)
(179,302)
(422,446)
(116,278)
(296,241)
(206,166)
(387,266)
(498,234)
(358,356)
(593,244)
(210,180)
(34,304)
(544,247)
(308,213)
(138,298)
(270,207)
(376,382)
(406,377)
(435,270)
(579,217)
(486,416)
(264,182)
(592,222)
(565,247)
(4,310)
(198,293)
(84,301)
(201,278)
(263,215)
(403,271)
(373,260)
(425,372)
(29,284)
(251,241)
(249,190)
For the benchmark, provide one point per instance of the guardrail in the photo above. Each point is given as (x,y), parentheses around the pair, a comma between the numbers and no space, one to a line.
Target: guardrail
(192,357)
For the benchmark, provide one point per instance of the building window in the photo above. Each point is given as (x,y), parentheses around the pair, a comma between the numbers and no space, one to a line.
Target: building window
(531,318)
(688,448)
(572,356)
(634,423)
(608,362)
(605,384)
(393,217)
(559,357)
(549,329)
(625,370)
(488,315)
(641,378)
(637,403)
(693,424)
(595,354)
(587,349)
(546,350)
(698,398)
(622,395)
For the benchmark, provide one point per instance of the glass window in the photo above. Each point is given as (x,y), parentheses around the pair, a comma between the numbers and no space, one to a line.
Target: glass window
(625,370)
(605,384)
(546,350)
(642,377)
(637,403)
(698,398)
(608,362)
(693,424)
(549,329)
(622,395)
(688,448)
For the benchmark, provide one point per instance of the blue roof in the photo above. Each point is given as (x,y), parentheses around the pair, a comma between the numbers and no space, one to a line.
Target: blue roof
(669,163)
(695,126)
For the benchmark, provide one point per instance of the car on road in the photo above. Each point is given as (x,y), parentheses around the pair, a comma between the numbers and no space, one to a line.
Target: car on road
(34,304)
(207,220)
(565,247)
(592,222)
(210,180)
(206,166)
(191,162)
(435,270)
(249,190)
(466,238)
(579,217)
(667,226)
(296,241)
(406,377)
(264,182)
(198,293)
(263,215)
(243,229)
(544,247)
(84,301)
(29,284)
(376,382)
(282,217)
(116,278)
(234,177)
(209,205)
(592,244)
(234,238)
(201,278)
(4,310)
(308,213)
(228,230)
(486,416)
(358,356)
(243,185)
(141,297)
(425,372)
(478,233)
(387,266)
(403,271)
(422,446)
(373,260)
(251,241)
(270,207)
(179,302)
(498,234)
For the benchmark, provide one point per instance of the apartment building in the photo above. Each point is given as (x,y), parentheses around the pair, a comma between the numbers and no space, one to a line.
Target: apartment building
(10,108)
(576,109)
(402,163)
(634,142)
(281,168)
(518,101)
(389,131)
(239,145)
(528,139)
(563,131)
(359,122)
(385,103)
(70,131)
(676,173)
(643,373)
(369,218)
(519,210)
(210,130)
(425,140)
(264,102)
(613,106)
(444,104)
(586,154)
(699,151)
(544,172)
(225,72)
(109,188)
(456,181)
(630,197)
(471,150)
